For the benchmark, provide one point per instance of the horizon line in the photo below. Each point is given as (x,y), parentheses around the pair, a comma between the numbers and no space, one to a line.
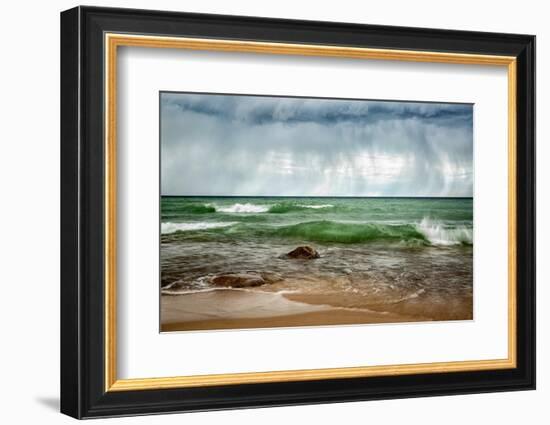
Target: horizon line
(317,196)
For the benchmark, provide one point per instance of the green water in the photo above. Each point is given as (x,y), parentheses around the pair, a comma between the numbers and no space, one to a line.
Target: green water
(403,255)
(413,221)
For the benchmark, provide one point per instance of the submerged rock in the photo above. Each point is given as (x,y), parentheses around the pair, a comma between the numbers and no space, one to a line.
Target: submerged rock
(304,252)
(245,279)
(411,276)
(238,280)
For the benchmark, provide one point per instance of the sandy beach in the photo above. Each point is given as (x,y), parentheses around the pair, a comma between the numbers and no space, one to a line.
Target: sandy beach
(243,309)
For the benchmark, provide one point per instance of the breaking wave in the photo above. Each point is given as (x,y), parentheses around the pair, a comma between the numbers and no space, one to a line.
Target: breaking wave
(167,228)
(440,234)
(426,232)
(278,208)
(332,231)
(286,207)
(243,208)
(190,208)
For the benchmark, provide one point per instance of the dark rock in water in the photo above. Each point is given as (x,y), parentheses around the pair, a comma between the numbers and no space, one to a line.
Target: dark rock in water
(411,276)
(238,280)
(303,252)
(245,279)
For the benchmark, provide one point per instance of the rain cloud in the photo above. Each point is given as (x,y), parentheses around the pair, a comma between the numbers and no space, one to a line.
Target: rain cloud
(237,145)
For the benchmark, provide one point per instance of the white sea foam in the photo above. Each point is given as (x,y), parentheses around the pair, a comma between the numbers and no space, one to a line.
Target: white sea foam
(438,234)
(243,208)
(317,206)
(169,227)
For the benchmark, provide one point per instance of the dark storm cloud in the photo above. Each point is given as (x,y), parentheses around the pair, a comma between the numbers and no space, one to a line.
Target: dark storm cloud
(252,145)
(264,110)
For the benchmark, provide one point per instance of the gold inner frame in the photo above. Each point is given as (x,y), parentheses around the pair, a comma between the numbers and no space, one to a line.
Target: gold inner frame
(113,41)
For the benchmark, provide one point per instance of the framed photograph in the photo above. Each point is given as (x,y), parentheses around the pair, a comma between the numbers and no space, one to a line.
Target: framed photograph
(261,212)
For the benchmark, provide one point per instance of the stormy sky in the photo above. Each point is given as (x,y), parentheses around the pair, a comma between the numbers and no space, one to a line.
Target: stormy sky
(235,145)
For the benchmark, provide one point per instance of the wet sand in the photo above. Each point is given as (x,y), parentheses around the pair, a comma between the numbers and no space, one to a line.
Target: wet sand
(242,309)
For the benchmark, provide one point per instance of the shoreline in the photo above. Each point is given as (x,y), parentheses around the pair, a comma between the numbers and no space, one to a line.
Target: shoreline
(239,309)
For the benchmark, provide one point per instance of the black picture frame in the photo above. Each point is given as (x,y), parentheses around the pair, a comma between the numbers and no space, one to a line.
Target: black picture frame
(83,392)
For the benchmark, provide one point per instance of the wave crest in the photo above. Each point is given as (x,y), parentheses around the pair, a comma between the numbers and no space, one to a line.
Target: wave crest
(315,207)
(439,234)
(167,228)
(426,232)
(332,231)
(243,208)
(286,207)
(190,208)
(278,208)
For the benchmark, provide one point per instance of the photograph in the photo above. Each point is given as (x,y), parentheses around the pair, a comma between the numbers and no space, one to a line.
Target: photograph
(284,211)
